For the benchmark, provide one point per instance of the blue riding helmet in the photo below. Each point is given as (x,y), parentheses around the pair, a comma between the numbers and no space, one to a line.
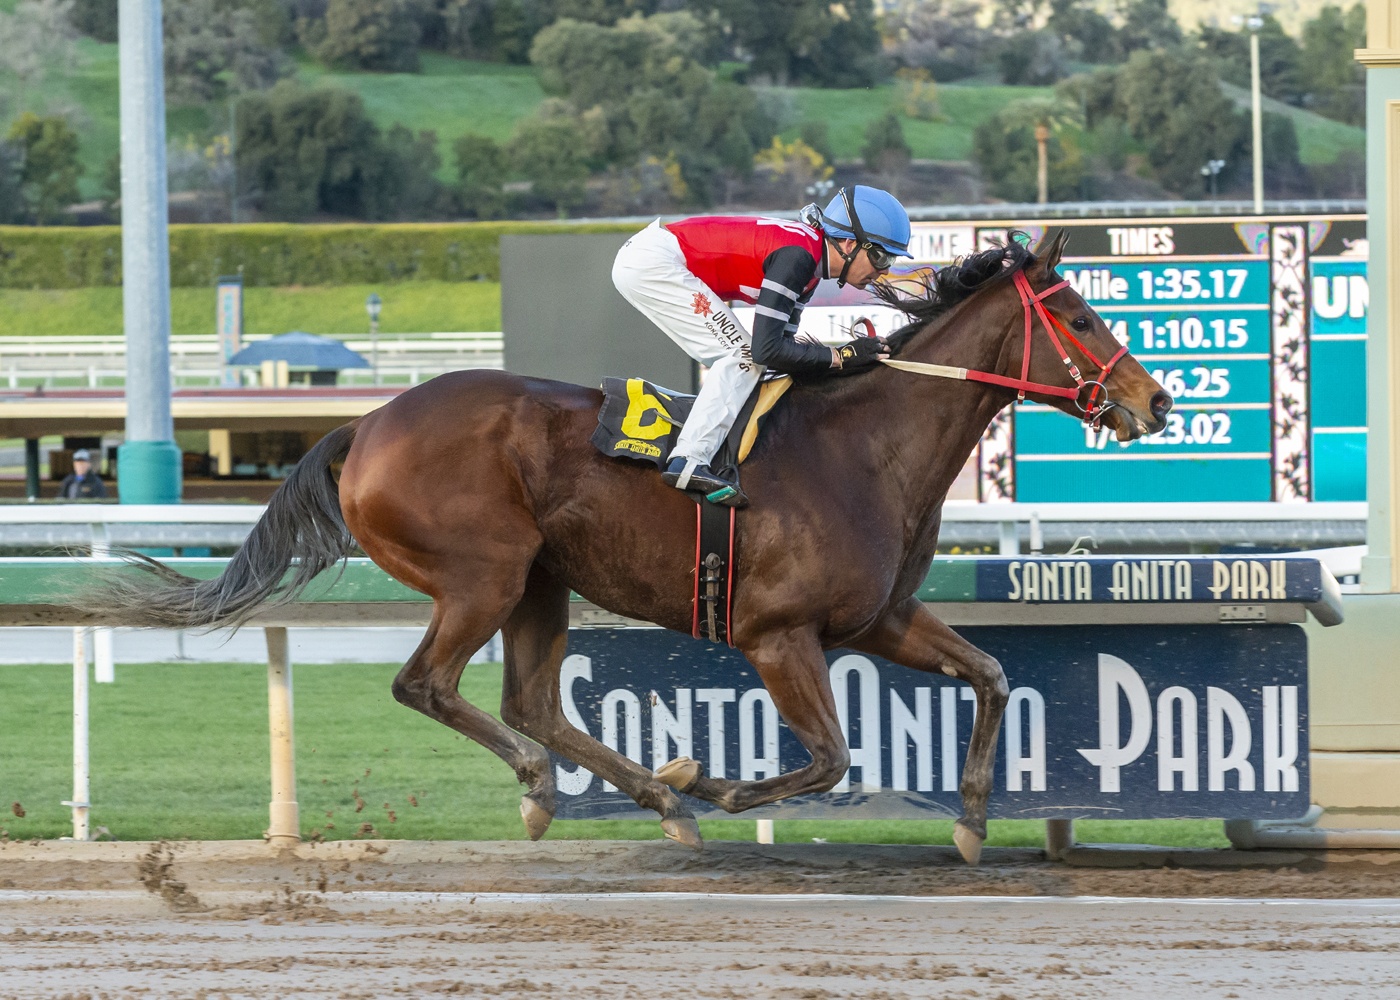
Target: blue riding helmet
(870,215)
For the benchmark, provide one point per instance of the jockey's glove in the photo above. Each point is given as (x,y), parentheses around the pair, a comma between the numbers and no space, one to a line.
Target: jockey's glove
(861,353)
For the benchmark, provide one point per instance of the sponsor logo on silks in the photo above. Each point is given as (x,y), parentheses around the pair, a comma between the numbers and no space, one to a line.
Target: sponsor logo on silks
(701,304)
(726,330)
(638,447)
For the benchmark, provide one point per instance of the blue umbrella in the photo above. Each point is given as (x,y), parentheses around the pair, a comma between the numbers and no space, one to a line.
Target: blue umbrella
(301,350)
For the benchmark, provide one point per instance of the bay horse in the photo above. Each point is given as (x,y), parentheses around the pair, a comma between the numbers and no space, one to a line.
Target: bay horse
(481,490)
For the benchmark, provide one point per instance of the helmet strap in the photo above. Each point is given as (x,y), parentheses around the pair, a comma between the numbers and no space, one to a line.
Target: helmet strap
(848,258)
(857,233)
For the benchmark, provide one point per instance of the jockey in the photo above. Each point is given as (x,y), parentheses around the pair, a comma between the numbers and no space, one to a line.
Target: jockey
(682,275)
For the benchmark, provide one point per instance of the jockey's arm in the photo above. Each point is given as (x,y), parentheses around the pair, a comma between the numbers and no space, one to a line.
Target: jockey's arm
(786,272)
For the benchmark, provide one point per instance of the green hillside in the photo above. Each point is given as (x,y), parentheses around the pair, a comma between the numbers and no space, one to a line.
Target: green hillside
(454,96)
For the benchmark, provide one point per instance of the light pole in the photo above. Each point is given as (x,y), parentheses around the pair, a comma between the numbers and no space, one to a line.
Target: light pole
(149,466)
(1212,170)
(1254,23)
(372,306)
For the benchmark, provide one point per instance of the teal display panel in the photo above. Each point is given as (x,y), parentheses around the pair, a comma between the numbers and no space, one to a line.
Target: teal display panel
(1256,326)
(1340,298)
(1201,328)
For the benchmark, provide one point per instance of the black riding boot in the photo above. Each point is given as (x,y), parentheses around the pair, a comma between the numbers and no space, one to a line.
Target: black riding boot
(700,479)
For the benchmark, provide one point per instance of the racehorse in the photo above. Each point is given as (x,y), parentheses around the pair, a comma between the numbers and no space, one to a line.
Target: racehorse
(481,490)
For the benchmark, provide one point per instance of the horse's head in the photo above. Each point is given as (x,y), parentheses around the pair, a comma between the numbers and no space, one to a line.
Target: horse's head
(1128,400)
(1006,309)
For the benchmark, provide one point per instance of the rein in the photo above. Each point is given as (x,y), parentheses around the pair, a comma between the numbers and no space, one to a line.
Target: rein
(1033,305)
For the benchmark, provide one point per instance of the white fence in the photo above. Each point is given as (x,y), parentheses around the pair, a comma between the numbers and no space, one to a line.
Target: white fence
(99,361)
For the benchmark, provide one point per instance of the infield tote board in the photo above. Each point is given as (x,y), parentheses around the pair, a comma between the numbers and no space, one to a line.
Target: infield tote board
(1257,325)
(1111,721)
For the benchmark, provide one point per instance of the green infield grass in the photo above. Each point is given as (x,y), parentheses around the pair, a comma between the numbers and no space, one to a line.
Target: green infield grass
(180,751)
(409,307)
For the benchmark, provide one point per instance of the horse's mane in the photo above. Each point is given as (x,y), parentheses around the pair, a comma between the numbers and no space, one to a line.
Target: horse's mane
(939,291)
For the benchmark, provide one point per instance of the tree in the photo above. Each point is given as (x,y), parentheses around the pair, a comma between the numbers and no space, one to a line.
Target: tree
(1280,58)
(885,150)
(1087,33)
(212,50)
(35,39)
(1032,59)
(1005,149)
(96,19)
(636,95)
(303,152)
(49,169)
(807,41)
(1147,24)
(410,188)
(1334,83)
(111,185)
(1283,166)
(481,176)
(371,34)
(11,195)
(604,11)
(548,153)
(797,167)
(1171,102)
(501,30)
(941,36)
(816,133)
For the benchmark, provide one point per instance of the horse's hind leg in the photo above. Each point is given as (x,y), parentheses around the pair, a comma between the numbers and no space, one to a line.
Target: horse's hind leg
(428,682)
(536,635)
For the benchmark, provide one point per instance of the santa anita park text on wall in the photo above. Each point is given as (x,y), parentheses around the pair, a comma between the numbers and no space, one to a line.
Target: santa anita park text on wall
(1257,326)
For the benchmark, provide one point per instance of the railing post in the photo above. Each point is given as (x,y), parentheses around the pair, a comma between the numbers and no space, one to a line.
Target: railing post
(103,658)
(284,829)
(79,803)
(1009,538)
(1059,838)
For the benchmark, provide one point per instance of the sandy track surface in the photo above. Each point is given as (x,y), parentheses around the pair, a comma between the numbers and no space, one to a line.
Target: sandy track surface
(641,920)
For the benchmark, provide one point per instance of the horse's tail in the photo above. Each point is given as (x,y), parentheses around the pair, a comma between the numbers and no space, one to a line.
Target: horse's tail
(301,530)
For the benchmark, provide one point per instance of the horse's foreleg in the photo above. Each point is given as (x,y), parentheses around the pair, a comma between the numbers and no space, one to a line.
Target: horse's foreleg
(536,635)
(428,683)
(794,671)
(911,636)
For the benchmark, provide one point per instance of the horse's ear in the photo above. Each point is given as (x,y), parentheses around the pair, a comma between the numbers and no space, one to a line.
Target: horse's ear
(1050,250)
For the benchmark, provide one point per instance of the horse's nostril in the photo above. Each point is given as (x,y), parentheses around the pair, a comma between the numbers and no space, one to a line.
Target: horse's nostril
(1161,405)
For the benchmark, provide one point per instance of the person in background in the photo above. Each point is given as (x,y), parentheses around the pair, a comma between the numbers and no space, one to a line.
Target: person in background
(82,483)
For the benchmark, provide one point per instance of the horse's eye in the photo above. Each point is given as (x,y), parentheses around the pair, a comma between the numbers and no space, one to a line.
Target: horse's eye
(1080,322)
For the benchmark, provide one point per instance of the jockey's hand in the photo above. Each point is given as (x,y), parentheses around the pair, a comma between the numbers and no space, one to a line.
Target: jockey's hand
(859,354)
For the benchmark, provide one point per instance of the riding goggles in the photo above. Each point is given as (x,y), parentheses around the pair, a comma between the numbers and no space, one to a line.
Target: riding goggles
(880,258)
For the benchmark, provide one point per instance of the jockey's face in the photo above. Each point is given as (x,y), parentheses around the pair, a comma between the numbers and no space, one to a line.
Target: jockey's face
(862,271)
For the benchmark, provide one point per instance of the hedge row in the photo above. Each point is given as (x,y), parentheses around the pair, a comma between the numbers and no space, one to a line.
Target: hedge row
(273,254)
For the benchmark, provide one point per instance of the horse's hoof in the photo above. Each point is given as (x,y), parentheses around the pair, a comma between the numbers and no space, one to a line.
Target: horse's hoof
(683,830)
(536,817)
(681,773)
(968,843)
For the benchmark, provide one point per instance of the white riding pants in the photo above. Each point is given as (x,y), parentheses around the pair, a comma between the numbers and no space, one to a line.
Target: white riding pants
(651,273)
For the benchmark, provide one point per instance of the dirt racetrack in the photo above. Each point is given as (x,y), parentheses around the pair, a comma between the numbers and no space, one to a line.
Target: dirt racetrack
(566,919)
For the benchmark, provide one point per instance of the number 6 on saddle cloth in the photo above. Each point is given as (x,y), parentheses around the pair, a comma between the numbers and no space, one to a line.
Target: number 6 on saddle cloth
(641,421)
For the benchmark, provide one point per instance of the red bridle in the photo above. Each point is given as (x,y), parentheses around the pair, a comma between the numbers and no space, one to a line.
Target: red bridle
(1093,409)
(1033,304)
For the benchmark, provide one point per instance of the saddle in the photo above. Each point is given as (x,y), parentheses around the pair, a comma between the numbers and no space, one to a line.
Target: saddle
(641,421)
